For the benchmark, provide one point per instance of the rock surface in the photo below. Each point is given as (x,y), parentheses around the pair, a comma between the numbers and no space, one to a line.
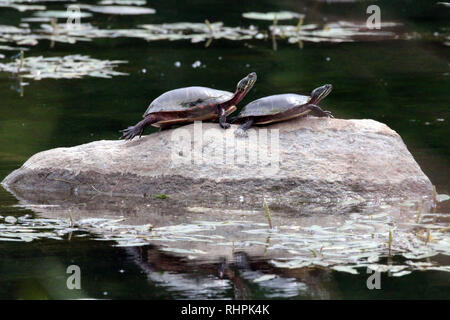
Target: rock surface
(307,165)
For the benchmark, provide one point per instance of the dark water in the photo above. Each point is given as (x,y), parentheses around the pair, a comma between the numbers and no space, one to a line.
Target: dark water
(404,84)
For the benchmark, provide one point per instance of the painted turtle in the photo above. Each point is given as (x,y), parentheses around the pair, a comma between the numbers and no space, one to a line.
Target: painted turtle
(282,107)
(191,104)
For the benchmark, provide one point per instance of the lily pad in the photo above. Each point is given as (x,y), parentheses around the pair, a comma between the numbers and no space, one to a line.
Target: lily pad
(336,32)
(10,219)
(265,277)
(442,197)
(62,14)
(67,67)
(445,4)
(345,269)
(124,2)
(21,7)
(271,16)
(119,10)
(36,19)
(194,32)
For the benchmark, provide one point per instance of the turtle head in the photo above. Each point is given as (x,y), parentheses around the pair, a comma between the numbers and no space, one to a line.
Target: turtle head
(319,93)
(246,83)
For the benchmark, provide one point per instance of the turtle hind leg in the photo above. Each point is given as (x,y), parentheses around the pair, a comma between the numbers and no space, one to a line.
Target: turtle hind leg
(246,125)
(242,130)
(319,112)
(137,130)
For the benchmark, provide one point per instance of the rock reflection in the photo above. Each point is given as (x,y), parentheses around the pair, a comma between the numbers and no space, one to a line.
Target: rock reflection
(238,246)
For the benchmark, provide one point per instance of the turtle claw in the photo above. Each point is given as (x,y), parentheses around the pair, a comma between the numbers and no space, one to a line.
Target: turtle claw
(318,112)
(128,133)
(241,133)
(328,114)
(324,113)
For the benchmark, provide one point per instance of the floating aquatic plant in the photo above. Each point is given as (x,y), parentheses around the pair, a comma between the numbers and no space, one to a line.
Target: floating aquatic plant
(271,16)
(65,14)
(18,35)
(36,19)
(34,1)
(124,2)
(444,4)
(67,67)
(9,48)
(194,32)
(20,7)
(442,197)
(341,31)
(118,10)
(197,32)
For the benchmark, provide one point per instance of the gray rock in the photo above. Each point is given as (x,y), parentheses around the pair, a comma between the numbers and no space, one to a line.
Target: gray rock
(315,165)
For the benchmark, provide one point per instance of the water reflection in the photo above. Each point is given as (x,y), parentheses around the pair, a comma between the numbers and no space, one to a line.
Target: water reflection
(205,235)
(241,277)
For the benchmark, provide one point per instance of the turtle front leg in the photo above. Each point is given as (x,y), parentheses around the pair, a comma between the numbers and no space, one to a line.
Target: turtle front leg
(318,111)
(223,118)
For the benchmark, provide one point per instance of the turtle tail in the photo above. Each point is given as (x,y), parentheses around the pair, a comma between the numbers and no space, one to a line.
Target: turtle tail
(136,130)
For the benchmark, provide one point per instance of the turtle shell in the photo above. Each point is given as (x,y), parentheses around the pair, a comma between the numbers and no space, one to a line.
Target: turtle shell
(187,98)
(273,105)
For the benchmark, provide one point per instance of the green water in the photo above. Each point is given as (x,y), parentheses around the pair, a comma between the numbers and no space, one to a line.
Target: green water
(404,84)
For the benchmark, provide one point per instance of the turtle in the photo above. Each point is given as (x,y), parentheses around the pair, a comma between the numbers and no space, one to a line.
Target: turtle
(191,104)
(281,107)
